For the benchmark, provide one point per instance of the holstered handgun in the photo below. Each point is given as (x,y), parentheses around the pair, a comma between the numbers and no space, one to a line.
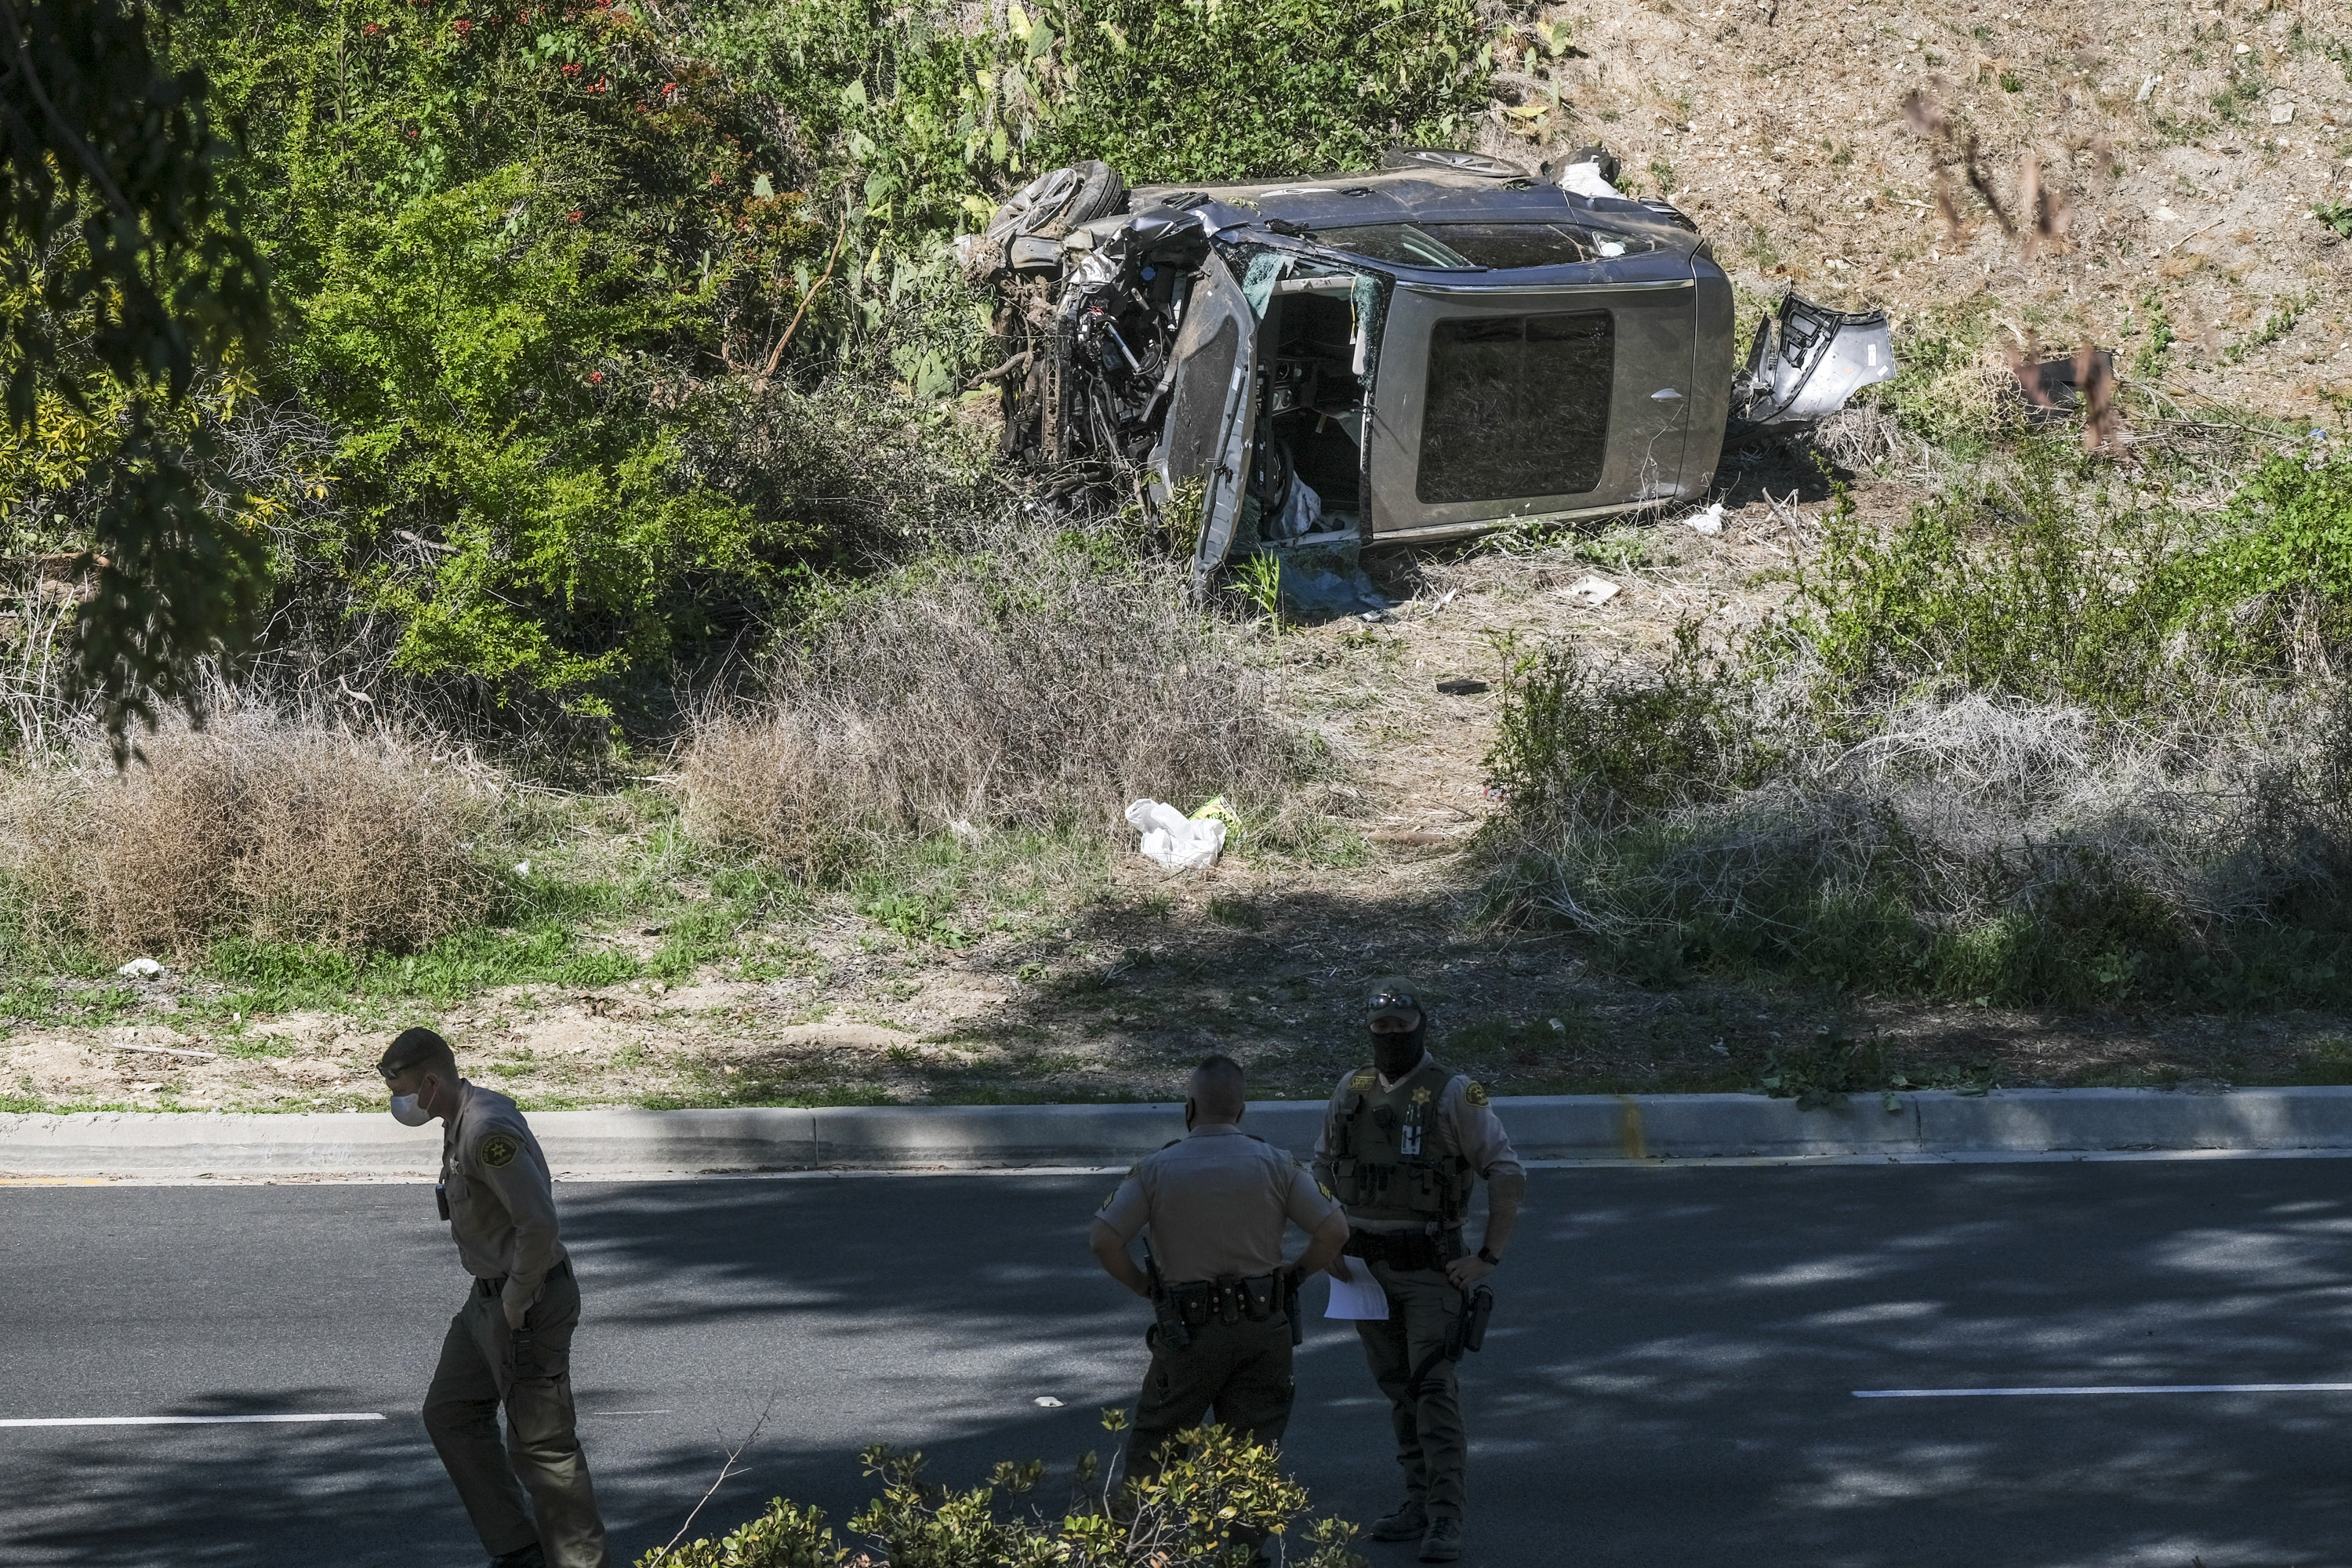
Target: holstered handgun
(1172,1331)
(1290,1304)
(1468,1331)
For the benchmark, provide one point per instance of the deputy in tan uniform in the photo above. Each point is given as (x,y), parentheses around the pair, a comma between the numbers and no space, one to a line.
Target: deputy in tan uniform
(512,1342)
(1404,1142)
(1215,1204)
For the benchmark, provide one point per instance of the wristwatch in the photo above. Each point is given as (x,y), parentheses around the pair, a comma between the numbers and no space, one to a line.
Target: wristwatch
(1491,1260)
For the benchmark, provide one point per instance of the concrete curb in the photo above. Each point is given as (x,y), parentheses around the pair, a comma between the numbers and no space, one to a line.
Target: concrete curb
(1556,1127)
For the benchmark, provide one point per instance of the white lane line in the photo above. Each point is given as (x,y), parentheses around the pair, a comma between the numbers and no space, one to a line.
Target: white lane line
(179,1420)
(2125,1388)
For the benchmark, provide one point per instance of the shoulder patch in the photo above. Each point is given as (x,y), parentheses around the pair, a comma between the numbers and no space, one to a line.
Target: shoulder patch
(1325,1188)
(1475,1092)
(498,1151)
(1365,1080)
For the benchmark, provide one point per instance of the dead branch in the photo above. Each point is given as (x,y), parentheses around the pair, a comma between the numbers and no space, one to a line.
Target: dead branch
(725,1472)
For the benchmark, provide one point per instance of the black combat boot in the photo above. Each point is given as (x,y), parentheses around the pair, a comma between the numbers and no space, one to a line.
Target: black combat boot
(1406,1523)
(1443,1542)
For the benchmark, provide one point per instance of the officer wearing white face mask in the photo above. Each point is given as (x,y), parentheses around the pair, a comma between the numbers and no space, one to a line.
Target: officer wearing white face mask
(512,1342)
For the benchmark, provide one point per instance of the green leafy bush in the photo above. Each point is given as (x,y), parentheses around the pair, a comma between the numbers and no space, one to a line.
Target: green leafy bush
(1217,1495)
(1174,90)
(1575,736)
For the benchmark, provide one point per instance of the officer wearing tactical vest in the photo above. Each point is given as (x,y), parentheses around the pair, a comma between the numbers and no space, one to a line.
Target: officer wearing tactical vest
(1215,1203)
(512,1342)
(1404,1142)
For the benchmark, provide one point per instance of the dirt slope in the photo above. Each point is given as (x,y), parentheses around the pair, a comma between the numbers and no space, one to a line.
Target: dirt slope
(2186,146)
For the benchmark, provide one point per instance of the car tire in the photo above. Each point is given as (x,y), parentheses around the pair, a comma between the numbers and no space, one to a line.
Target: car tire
(1102,192)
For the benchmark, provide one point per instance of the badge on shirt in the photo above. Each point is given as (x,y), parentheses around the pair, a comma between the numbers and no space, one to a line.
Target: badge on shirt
(1364,1080)
(499,1150)
(1421,1095)
(1475,1092)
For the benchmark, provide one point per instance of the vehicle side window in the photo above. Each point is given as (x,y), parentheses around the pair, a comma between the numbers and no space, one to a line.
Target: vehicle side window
(1197,415)
(1517,405)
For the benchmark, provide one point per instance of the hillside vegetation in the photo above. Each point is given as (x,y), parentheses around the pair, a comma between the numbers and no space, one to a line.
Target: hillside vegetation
(664,690)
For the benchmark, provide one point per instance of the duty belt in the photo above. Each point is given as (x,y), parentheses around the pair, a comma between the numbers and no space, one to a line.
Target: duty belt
(1405,1248)
(1230,1299)
(493,1287)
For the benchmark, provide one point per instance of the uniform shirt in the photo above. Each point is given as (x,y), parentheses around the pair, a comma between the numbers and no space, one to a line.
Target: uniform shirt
(1217,1203)
(1477,1132)
(501,1199)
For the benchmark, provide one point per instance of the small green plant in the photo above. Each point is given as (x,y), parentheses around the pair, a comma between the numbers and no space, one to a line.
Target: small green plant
(1623,548)
(2012,83)
(2278,324)
(1242,914)
(918,915)
(1826,1070)
(2336,215)
(2150,363)
(1259,578)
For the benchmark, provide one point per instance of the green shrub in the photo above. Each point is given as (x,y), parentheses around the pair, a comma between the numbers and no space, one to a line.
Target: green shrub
(2273,591)
(1215,1495)
(2033,589)
(2027,748)
(1575,736)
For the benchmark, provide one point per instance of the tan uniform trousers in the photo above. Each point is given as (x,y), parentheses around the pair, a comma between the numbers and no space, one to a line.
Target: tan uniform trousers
(1241,1371)
(540,1453)
(1432,1444)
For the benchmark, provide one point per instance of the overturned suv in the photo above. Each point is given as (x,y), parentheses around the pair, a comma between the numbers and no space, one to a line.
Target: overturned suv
(1440,346)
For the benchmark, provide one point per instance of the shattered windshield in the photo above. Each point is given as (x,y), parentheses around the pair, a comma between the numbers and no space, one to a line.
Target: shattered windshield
(1475,247)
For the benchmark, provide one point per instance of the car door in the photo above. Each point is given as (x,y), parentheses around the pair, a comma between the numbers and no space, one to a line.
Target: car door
(1211,421)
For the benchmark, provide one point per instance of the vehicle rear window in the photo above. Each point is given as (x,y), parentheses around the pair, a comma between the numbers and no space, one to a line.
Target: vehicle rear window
(1469,246)
(1516,405)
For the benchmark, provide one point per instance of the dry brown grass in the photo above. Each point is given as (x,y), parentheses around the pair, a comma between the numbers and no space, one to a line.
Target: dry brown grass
(260,826)
(1043,683)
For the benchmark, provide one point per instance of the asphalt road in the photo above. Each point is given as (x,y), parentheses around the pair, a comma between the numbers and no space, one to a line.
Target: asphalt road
(1669,1379)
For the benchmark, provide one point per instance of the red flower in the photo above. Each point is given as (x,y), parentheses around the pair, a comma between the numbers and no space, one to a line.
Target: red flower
(668,88)
(463,26)
(574,215)
(570,70)
(718,179)
(595,378)
(369,29)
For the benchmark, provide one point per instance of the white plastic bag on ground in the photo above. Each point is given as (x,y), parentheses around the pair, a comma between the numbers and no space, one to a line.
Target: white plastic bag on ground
(1707,520)
(1173,840)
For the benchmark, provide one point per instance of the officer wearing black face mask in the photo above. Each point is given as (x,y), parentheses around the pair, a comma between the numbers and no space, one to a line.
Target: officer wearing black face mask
(1404,1142)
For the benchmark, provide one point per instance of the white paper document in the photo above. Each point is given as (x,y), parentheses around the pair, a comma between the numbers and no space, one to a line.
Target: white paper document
(1358,1298)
